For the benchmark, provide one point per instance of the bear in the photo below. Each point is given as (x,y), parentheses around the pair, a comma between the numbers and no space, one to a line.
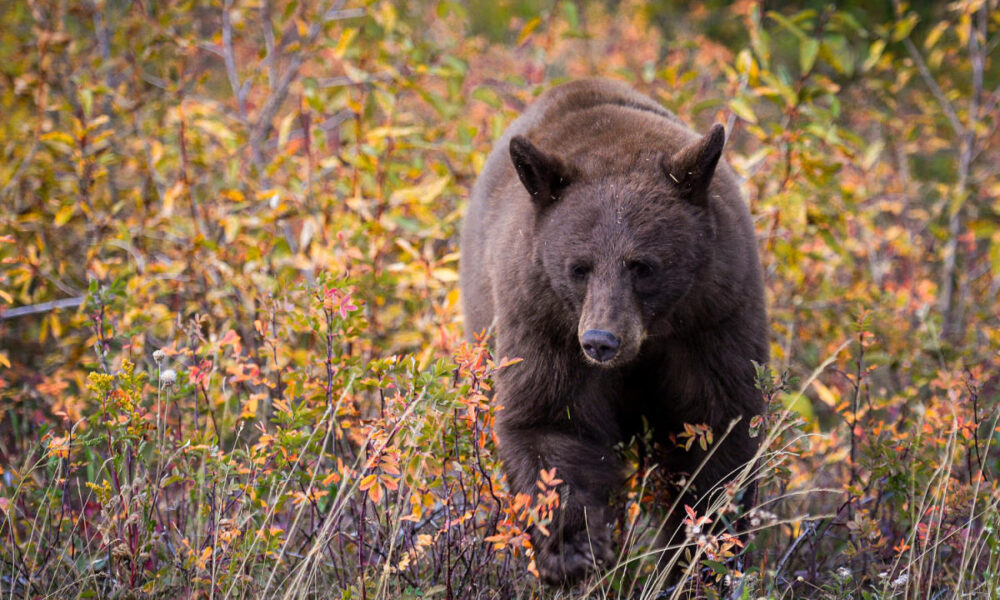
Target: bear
(608,246)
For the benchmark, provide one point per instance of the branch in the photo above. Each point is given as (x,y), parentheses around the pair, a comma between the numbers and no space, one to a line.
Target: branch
(263,124)
(104,44)
(950,306)
(34,309)
(269,58)
(230,59)
(336,14)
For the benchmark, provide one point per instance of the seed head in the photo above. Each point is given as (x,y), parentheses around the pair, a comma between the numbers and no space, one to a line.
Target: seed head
(168,378)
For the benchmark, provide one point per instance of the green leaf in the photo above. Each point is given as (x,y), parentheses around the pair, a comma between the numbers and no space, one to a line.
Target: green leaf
(716,566)
(808,50)
(902,28)
(787,24)
(995,255)
(487,95)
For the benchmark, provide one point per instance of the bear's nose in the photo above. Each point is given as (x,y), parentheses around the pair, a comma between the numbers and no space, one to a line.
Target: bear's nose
(600,345)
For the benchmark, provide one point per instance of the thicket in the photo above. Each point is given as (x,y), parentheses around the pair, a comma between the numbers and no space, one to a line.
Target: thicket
(230,340)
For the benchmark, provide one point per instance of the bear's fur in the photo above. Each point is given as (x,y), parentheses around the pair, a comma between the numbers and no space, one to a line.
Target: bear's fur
(608,247)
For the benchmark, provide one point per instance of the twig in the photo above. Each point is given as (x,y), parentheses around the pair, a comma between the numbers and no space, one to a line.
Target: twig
(928,78)
(806,530)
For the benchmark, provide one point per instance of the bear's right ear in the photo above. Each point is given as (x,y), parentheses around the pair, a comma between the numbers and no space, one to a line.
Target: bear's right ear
(543,176)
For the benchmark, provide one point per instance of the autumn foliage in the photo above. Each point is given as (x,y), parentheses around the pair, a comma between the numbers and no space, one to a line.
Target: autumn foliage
(231,358)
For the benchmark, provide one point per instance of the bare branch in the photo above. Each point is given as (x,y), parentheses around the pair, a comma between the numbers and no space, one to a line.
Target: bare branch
(15,179)
(336,14)
(928,78)
(263,123)
(230,59)
(42,307)
(992,102)
(951,308)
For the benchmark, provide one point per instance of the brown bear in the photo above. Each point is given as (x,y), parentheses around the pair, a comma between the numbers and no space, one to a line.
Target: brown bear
(608,247)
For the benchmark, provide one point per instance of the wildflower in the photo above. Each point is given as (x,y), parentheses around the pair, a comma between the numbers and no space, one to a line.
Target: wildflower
(158,356)
(168,378)
(844,573)
(339,301)
(900,581)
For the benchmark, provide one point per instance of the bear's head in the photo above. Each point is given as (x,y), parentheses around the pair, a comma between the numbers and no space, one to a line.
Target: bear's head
(621,245)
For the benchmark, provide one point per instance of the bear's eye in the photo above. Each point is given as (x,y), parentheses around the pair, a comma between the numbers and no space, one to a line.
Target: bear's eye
(579,271)
(640,269)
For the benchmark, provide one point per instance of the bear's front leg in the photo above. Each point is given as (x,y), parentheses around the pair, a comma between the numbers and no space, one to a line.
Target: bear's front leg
(580,533)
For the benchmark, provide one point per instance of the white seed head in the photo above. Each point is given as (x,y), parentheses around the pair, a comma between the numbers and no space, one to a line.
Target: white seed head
(168,377)
(159,355)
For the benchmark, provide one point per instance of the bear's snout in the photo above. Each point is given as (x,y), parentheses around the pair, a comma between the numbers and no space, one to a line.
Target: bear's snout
(600,345)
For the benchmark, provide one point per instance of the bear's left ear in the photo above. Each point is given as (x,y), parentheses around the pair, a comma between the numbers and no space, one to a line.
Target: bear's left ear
(542,175)
(690,169)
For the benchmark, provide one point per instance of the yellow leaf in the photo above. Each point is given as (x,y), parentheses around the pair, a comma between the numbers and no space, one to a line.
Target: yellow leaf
(445,275)
(233,195)
(935,34)
(285,129)
(250,408)
(170,197)
(425,192)
(64,214)
(528,28)
(452,298)
(386,132)
(4,359)
(344,43)
(408,248)
(58,136)
(205,556)
(56,325)
(231,227)
(825,394)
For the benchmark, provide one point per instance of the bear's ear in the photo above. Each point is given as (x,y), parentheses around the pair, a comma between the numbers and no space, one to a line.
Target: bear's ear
(690,169)
(543,176)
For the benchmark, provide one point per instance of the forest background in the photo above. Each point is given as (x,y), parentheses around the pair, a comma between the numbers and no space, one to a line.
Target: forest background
(231,361)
